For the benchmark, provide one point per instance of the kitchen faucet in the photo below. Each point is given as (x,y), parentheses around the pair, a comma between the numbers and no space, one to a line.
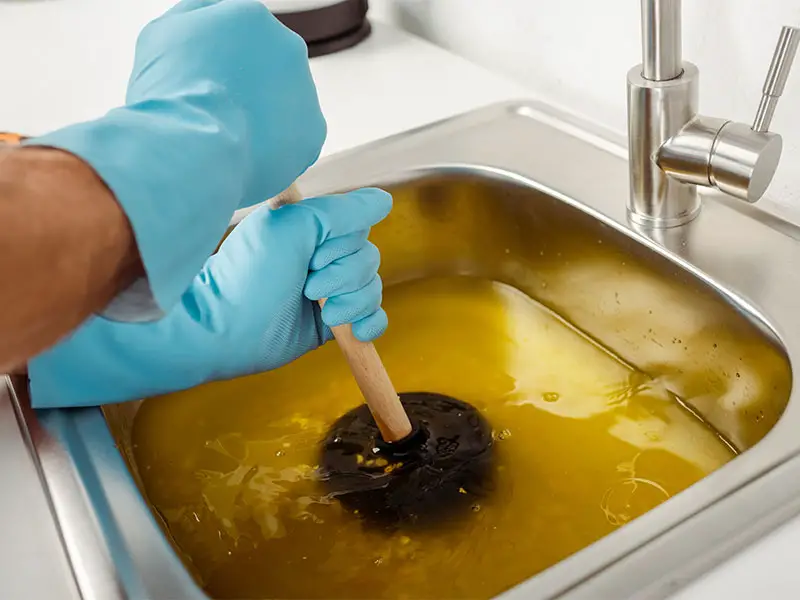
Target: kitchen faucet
(673,149)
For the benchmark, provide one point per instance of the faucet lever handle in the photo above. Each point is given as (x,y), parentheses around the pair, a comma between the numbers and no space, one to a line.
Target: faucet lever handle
(777,75)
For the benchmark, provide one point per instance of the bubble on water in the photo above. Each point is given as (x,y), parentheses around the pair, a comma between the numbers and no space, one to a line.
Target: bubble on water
(551,396)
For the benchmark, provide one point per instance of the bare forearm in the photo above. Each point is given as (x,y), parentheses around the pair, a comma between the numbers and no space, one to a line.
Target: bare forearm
(66,249)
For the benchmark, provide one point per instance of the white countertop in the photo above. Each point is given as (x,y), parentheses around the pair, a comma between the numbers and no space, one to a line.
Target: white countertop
(68,60)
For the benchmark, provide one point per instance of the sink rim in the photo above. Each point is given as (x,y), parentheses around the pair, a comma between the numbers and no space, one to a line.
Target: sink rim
(463,138)
(490,172)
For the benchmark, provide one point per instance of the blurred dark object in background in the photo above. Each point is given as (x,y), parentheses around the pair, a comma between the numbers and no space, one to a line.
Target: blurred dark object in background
(327,26)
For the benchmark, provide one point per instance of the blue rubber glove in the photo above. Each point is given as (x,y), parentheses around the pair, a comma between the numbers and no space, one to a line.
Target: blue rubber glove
(251,309)
(221,112)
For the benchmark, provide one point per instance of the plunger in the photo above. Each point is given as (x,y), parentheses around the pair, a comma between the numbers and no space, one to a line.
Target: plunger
(404,459)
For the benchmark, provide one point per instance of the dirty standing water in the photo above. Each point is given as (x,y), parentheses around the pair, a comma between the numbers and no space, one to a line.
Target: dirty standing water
(584,445)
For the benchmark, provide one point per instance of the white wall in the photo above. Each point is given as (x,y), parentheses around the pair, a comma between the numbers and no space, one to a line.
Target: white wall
(576,53)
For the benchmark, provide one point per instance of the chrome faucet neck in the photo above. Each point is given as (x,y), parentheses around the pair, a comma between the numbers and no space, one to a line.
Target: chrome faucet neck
(672,149)
(661,39)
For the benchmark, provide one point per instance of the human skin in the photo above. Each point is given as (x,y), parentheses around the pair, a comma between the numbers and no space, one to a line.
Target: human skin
(66,249)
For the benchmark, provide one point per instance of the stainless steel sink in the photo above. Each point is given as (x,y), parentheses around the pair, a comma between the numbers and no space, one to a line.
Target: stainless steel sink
(519,193)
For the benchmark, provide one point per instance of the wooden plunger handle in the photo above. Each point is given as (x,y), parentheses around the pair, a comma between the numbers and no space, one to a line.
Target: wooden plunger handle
(365,364)
(373,381)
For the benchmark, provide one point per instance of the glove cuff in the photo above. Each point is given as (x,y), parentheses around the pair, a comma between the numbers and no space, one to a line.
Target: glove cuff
(177,174)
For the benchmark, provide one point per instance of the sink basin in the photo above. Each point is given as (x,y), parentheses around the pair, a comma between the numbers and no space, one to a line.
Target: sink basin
(520,194)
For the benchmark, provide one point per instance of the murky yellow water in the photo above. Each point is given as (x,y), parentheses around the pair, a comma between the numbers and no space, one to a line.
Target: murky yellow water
(584,445)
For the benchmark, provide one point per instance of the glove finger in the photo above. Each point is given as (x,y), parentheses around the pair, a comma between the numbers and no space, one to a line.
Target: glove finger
(337,248)
(343,214)
(371,327)
(355,306)
(346,275)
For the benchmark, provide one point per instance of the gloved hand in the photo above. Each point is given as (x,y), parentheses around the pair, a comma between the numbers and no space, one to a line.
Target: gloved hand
(221,112)
(251,309)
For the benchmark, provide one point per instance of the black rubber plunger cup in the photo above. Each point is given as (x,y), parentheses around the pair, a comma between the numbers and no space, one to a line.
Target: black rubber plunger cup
(404,459)
(441,469)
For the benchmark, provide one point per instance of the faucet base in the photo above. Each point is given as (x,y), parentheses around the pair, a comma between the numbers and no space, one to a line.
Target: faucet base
(645,222)
(657,111)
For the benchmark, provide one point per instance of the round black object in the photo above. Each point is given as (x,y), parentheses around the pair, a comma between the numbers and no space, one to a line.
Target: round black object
(441,470)
(331,27)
